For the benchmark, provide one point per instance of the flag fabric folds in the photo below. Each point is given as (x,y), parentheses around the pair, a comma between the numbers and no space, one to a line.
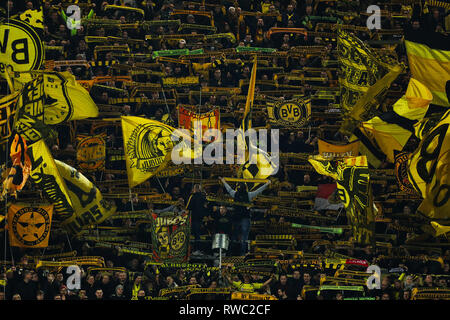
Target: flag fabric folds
(87,202)
(147,145)
(429,61)
(353,183)
(429,171)
(391,130)
(45,175)
(364,78)
(77,202)
(29,226)
(49,99)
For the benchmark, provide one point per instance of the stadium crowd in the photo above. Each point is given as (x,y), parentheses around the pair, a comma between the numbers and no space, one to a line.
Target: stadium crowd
(139,279)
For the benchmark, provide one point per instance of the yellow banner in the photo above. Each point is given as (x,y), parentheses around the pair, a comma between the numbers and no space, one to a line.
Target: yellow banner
(29,226)
(22,48)
(91,152)
(88,204)
(429,171)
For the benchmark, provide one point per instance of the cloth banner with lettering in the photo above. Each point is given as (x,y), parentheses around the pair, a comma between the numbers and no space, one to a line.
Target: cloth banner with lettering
(91,152)
(170,237)
(295,113)
(21,47)
(364,77)
(29,226)
(50,99)
(87,202)
(45,175)
(209,120)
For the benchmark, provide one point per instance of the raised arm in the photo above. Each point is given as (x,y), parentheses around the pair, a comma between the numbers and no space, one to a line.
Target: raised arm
(227,186)
(253,194)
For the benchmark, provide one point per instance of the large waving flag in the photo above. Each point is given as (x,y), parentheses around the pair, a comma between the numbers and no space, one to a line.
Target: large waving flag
(429,171)
(87,202)
(364,78)
(49,99)
(429,61)
(45,175)
(391,130)
(353,182)
(148,147)
(77,202)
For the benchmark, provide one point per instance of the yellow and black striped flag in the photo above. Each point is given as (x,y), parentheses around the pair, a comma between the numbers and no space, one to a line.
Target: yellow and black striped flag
(391,130)
(364,78)
(429,61)
(429,171)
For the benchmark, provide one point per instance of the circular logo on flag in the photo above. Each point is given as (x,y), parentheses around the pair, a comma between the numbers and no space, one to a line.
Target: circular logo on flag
(148,145)
(22,49)
(31,225)
(177,241)
(401,173)
(91,153)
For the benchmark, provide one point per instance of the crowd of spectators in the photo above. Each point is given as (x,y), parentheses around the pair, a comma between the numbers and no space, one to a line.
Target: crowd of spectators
(23,281)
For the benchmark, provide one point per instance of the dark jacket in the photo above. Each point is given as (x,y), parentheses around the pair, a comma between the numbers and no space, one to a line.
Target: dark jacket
(27,290)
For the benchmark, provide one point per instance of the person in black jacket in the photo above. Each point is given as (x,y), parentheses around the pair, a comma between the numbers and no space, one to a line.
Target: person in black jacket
(26,288)
(50,287)
(196,205)
(242,219)
(223,222)
(89,287)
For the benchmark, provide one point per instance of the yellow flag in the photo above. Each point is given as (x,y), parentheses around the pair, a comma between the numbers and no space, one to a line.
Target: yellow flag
(353,182)
(247,119)
(29,226)
(258,164)
(45,175)
(87,202)
(439,228)
(390,131)
(49,99)
(429,171)
(34,18)
(21,47)
(7,111)
(429,61)
(148,146)
(364,78)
